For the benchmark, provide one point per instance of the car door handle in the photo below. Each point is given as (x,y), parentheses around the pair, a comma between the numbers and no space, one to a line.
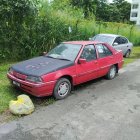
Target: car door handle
(111,57)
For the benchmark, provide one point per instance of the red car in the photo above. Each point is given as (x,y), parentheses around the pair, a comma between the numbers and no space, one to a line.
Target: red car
(67,65)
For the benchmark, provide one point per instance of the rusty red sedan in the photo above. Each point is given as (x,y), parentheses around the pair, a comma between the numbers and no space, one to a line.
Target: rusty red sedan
(67,65)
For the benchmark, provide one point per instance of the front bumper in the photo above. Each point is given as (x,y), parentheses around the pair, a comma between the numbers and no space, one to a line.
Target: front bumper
(35,89)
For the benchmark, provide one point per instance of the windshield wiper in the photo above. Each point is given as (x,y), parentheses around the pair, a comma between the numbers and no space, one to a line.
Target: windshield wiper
(50,56)
(58,58)
(64,59)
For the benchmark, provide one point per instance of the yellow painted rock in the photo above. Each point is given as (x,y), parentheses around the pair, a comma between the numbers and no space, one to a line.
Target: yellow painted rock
(22,106)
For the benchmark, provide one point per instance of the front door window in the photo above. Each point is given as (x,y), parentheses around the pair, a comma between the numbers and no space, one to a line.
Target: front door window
(88,70)
(89,53)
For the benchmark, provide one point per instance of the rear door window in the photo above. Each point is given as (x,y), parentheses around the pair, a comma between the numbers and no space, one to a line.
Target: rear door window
(103,51)
(118,40)
(121,40)
(124,40)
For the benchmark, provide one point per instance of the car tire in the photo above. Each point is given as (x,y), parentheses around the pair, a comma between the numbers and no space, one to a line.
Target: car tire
(62,88)
(111,73)
(127,53)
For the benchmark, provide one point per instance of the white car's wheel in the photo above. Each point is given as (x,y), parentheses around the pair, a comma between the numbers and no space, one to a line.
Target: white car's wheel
(127,53)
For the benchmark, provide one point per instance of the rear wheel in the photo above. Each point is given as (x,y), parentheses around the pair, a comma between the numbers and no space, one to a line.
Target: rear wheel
(62,88)
(112,72)
(127,53)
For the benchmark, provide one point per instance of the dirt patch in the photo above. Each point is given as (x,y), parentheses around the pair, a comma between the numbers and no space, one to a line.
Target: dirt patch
(6,116)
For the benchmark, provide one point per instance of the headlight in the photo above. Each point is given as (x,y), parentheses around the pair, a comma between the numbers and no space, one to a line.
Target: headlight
(11,71)
(34,79)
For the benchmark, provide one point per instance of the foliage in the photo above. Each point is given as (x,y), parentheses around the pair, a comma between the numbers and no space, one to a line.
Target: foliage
(16,16)
(88,6)
(28,28)
(124,9)
(118,11)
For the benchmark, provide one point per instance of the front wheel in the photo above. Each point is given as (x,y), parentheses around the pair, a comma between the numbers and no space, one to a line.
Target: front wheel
(62,88)
(127,53)
(112,72)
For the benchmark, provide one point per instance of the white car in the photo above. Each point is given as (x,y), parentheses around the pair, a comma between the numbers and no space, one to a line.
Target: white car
(117,41)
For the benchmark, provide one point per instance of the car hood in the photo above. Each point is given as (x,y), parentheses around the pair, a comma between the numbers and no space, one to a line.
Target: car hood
(41,65)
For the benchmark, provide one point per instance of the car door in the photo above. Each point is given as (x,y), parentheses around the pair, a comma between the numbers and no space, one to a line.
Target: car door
(122,44)
(105,59)
(87,70)
(125,45)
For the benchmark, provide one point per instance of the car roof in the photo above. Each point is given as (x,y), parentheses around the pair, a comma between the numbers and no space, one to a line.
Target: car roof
(83,42)
(112,35)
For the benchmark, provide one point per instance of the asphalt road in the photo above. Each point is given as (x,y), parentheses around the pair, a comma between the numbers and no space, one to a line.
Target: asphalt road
(98,110)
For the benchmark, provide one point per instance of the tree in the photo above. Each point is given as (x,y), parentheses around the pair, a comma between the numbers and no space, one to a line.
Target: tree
(60,4)
(118,11)
(102,10)
(124,8)
(113,13)
(88,6)
(118,1)
(15,16)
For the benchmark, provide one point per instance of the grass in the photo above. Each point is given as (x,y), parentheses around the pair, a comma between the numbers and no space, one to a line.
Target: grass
(8,93)
(135,55)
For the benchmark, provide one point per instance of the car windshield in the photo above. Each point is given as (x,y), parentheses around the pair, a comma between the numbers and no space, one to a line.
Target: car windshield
(103,38)
(65,52)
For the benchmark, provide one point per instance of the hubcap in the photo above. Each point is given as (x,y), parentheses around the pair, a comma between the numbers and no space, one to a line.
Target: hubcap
(128,53)
(112,72)
(63,89)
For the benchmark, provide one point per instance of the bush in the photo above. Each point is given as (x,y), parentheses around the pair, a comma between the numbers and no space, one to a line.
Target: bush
(15,17)
(27,28)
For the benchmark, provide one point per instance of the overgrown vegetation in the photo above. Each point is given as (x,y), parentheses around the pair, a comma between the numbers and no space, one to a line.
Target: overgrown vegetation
(118,11)
(29,27)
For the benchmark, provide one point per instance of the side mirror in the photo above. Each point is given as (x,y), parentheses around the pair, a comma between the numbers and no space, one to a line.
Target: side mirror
(115,44)
(81,61)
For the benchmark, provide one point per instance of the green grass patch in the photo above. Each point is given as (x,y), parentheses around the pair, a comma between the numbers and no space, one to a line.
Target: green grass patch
(8,92)
(135,55)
